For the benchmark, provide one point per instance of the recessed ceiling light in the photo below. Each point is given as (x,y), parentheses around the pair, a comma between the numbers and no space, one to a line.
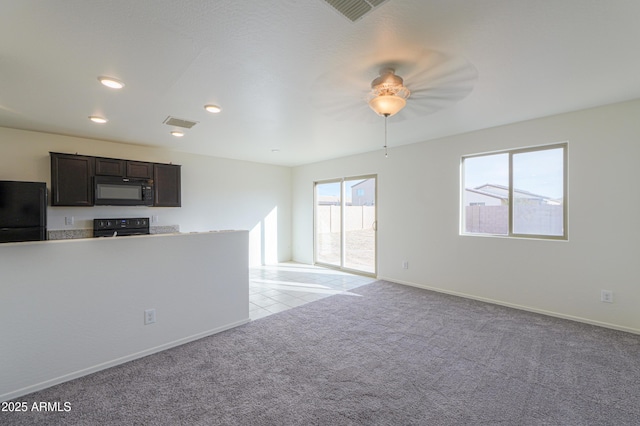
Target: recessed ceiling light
(275,150)
(96,119)
(177,133)
(213,108)
(111,82)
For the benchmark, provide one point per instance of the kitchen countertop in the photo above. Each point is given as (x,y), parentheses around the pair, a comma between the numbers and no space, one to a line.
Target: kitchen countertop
(71,234)
(165,234)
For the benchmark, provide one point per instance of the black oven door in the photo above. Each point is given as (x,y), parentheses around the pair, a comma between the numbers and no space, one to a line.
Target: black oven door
(116,191)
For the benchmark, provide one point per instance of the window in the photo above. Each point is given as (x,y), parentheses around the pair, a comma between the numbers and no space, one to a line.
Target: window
(517,193)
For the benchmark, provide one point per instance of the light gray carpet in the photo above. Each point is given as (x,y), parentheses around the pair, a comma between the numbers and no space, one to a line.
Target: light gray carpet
(394,356)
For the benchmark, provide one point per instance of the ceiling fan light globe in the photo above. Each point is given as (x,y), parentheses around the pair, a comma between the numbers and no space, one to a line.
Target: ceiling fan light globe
(387,105)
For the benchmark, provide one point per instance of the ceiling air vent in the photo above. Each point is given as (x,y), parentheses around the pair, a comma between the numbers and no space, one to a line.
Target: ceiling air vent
(178,122)
(354,9)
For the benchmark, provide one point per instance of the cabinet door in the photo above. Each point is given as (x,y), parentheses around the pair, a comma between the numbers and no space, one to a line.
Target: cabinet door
(109,167)
(167,185)
(138,169)
(71,180)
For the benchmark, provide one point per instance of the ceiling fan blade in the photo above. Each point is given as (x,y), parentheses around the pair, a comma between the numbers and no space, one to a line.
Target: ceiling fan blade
(452,93)
(436,80)
(339,96)
(342,111)
(450,84)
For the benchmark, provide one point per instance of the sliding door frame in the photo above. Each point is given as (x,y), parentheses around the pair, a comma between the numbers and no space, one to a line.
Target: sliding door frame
(342,223)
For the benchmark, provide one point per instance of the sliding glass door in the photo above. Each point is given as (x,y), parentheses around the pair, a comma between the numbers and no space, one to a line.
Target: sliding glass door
(345,223)
(359,225)
(328,223)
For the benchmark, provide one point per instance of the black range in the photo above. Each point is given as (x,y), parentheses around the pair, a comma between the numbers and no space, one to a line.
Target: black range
(120,227)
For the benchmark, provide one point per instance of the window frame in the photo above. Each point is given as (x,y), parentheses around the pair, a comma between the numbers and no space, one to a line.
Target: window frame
(511,152)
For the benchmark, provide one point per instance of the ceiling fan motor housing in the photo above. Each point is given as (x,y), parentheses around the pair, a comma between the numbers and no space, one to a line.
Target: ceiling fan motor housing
(388,94)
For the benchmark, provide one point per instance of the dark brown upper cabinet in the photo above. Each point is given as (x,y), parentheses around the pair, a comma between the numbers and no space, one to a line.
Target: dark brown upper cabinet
(124,168)
(139,169)
(109,167)
(166,179)
(71,180)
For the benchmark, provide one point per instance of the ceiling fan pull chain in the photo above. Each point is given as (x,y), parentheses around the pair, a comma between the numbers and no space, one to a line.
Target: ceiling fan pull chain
(385,136)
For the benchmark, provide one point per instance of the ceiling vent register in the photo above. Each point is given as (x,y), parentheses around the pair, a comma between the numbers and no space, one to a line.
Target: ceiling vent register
(354,9)
(178,122)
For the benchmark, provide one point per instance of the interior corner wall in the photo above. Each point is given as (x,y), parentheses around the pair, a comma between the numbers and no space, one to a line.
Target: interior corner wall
(217,193)
(419,218)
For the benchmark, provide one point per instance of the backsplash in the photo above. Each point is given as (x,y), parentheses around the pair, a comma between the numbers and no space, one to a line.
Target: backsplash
(69,234)
(168,229)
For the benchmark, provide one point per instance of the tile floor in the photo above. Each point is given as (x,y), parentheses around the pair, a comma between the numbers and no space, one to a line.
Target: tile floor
(276,288)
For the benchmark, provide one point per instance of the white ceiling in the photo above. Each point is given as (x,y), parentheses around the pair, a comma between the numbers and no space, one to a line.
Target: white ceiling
(292,75)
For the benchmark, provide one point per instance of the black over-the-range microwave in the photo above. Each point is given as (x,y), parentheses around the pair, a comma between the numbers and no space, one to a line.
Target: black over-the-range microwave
(119,191)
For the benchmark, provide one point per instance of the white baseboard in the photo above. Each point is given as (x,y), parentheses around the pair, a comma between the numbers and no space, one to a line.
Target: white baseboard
(516,306)
(108,364)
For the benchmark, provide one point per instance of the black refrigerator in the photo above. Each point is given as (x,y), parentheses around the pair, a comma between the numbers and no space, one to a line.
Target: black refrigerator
(23,211)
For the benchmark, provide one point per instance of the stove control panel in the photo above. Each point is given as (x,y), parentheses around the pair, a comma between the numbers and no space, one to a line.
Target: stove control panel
(119,227)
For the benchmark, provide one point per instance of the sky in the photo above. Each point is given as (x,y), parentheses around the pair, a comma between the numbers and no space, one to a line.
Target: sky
(539,172)
(333,188)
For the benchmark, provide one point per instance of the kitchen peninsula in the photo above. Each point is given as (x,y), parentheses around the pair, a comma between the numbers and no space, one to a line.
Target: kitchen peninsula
(73,307)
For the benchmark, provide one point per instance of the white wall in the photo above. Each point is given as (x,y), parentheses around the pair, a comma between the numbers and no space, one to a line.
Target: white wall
(72,307)
(418,218)
(216,193)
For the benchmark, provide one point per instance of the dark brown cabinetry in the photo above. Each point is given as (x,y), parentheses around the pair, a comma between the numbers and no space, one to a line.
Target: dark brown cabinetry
(109,167)
(124,168)
(71,180)
(167,185)
(137,169)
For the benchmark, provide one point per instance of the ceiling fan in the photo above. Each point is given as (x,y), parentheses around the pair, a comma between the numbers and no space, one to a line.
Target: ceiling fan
(418,81)
(434,81)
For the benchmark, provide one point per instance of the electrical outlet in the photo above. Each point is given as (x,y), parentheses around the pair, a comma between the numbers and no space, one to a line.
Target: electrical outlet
(405,264)
(69,220)
(606,296)
(155,219)
(149,316)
